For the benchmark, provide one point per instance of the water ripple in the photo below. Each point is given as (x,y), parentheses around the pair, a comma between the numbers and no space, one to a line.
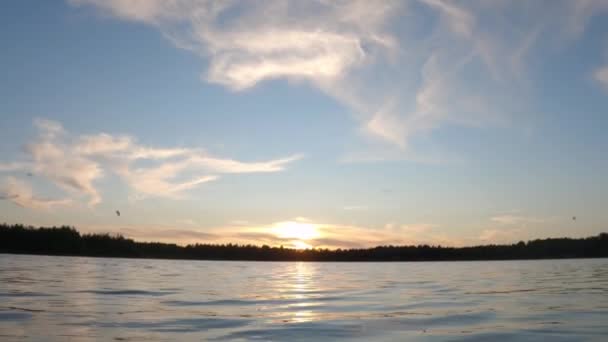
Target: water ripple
(61,298)
(128,292)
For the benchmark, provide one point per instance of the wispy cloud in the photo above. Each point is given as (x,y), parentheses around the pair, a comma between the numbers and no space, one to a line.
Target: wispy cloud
(511,219)
(249,42)
(511,227)
(52,158)
(325,235)
(333,235)
(402,77)
(579,13)
(500,235)
(355,207)
(76,163)
(173,235)
(187,222)
(14,166)
(601,75)
(20,193)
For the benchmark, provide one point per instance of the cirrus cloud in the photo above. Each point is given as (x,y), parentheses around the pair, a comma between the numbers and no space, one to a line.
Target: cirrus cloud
(75,163)
(601,75)
(20,193)
(404,68)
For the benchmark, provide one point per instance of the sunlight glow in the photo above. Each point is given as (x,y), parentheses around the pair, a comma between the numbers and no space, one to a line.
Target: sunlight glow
(299,244)
(297,230)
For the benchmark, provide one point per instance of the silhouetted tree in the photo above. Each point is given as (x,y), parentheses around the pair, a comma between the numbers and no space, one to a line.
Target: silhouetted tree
(66,240)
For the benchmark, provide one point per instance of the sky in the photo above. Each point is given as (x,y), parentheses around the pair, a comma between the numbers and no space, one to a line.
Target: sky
(327,124)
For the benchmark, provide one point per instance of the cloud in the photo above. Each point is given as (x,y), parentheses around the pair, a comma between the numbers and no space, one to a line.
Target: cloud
(7,167)
(580,13)
(331,235)
(509,219)
(52,158)
(155,182)
(431,155)
(162,234)
(76,163)
(317,56)
(240,222)
(417,228)
(21,194)
(337,243)
(245,43)
(355,207)
(48,129)
(601,75)
(498,236)
(249,42)
(234,166)
(262,238)
(326,235)
(506,219)
(388,125)
(435,102)
(188,222)
(458,19)
(403,68)
(423,234)
(511,228)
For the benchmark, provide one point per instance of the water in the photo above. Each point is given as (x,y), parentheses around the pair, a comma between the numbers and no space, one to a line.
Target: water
(91,299)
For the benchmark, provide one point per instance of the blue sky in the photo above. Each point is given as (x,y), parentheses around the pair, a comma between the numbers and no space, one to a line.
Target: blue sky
(420,121)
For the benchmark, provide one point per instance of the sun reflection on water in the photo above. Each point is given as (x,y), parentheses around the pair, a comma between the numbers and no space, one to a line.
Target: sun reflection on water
(301,288)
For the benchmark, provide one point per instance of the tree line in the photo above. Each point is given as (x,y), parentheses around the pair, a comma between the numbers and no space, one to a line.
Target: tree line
(67,241)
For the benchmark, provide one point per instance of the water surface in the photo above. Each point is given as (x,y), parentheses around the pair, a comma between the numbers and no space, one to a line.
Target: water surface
(90,299)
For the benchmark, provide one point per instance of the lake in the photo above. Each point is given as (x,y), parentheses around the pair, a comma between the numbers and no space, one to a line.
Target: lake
(45,298)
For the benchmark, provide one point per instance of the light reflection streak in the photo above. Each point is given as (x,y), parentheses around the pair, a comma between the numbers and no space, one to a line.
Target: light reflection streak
(301,284)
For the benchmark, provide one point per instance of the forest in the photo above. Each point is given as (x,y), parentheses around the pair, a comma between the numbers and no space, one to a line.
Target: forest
(67,241)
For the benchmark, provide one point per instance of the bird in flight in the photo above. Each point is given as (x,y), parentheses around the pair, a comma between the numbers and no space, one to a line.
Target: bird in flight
(573,218)
(117,213)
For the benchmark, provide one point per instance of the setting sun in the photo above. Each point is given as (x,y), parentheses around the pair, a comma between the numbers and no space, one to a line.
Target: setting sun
(297,230)
(299,244)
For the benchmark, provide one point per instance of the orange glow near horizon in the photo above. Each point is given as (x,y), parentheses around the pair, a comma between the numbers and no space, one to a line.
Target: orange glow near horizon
(300,232)
(299,244)
(296,230)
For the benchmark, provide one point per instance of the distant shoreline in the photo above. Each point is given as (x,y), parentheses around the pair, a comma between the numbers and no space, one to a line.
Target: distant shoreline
(67,241)
(270,261)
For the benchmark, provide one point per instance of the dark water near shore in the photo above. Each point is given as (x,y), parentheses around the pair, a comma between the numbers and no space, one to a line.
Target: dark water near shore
(87,299)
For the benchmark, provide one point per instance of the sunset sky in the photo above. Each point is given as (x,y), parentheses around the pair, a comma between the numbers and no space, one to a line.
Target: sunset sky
(306,123)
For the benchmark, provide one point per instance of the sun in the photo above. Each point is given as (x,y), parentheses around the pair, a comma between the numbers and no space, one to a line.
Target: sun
(297,230)
(299,244)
